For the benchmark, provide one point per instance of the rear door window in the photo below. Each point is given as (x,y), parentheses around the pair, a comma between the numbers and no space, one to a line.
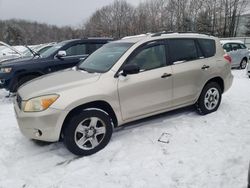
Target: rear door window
(182,50)
(208,47)
(78,49)
(93,47)
(235,46)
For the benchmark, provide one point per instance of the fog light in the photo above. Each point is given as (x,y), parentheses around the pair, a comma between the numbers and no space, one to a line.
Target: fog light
(38,133)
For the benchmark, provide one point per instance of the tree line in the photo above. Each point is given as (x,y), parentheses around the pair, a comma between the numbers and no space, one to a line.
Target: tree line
(21,32)
(120,18)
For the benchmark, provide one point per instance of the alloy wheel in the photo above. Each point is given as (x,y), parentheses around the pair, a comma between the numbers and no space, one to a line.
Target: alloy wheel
(212,98)
(90,133)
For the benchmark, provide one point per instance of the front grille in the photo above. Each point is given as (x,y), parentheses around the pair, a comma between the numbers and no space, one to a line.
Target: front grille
(19,101)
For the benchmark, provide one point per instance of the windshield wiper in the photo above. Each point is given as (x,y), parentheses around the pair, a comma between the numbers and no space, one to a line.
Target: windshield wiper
(83,69)
(34,53)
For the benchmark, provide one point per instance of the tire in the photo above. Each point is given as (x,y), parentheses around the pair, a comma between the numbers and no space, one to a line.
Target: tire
(81,135)
(22,81)
(210,99)
(243,64)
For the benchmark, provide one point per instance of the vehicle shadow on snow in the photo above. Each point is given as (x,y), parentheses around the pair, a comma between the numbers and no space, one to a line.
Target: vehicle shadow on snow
(157,118)
(55,147)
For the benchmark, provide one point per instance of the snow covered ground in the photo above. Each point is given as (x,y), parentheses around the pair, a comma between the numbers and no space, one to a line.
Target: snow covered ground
(195,151)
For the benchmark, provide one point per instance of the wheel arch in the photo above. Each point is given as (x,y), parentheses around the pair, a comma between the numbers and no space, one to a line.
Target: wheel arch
(99,105)
(219,81)
(245,58)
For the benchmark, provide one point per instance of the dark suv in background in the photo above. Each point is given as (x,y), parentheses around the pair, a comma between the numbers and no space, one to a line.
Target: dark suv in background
(61,56)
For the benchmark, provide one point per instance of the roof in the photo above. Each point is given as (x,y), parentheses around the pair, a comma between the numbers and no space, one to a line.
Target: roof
(162,35)
(231,41)
(88,39)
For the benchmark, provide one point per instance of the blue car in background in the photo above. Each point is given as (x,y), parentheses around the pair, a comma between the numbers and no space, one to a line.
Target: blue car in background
(61,56)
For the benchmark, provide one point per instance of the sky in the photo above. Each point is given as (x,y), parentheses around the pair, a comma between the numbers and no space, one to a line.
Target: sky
(57,12)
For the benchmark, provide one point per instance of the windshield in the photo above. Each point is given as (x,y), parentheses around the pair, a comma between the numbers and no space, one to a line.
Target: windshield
(27,52)
(52,50)
(105,57)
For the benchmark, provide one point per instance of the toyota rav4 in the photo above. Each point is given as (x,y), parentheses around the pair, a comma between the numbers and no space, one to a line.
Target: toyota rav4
(124,81)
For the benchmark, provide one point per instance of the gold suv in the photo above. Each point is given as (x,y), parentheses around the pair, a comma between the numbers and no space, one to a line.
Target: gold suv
(125,80)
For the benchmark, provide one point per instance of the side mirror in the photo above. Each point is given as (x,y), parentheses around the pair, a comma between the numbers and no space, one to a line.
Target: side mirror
(130,69)
(235,49)
(61,54)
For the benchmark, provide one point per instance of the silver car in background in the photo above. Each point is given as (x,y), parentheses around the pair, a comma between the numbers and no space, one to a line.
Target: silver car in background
(238,51)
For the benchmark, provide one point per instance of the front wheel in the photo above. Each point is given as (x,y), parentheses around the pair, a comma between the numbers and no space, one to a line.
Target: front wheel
(88,132)
(210,99)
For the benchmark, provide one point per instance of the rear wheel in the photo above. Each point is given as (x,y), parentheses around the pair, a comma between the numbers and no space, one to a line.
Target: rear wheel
(88,132)
(210,99)
(243,64)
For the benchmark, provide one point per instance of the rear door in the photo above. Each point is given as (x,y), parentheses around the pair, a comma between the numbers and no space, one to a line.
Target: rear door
(190,69)
(244,51)
(236,54)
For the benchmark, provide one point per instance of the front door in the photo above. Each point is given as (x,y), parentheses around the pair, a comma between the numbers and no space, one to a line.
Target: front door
(150,90)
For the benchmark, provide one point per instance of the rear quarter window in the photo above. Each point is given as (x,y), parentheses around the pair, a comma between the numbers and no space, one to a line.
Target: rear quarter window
(208,47)
(243,46)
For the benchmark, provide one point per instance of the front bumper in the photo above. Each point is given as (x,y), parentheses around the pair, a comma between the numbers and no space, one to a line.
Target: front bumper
(44,126)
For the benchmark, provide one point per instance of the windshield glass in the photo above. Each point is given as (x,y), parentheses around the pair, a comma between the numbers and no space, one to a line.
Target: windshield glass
(105,57)
(34,48)
(52,50)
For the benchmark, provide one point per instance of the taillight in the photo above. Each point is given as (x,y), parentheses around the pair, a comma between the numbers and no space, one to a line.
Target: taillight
(228,58)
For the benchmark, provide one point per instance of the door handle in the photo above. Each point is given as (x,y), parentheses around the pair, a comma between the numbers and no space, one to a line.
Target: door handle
(166,75)
(205,67)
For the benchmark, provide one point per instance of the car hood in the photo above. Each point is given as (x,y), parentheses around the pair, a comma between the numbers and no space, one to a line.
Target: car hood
(56,82)
(8,58)
(21,61)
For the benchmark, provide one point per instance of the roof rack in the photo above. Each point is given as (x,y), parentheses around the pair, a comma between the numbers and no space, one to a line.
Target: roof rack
(161,33)
(134,36)
(100,38)
(177,32)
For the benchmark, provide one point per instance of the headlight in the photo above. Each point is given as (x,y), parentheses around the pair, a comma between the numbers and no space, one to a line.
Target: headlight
(6,70)
(39,104)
